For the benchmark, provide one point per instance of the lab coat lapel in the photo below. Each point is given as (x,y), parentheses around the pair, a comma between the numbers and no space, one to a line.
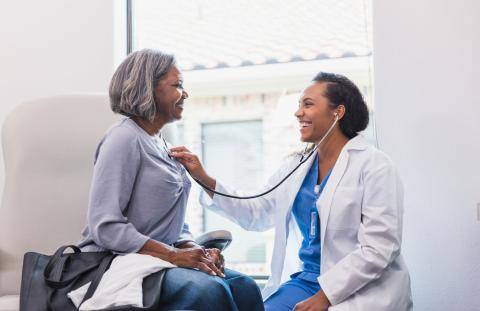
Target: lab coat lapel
(285,200)
(294,187)
(324,204)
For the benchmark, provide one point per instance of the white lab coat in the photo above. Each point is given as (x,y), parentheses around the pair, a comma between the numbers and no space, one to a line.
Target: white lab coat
(360,208)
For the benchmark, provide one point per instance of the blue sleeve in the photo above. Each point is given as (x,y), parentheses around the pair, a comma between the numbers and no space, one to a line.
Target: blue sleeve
(116,167)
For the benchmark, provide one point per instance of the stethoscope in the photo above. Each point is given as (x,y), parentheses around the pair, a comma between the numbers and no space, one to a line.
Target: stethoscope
(304,158)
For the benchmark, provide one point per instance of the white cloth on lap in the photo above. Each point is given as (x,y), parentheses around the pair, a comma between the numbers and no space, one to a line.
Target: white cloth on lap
(121,285)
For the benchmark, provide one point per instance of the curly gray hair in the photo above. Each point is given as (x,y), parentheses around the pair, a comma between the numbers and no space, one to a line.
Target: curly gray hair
(132,88)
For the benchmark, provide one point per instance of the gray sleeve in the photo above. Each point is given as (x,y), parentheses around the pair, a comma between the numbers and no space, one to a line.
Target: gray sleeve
(185,235)
(116,167)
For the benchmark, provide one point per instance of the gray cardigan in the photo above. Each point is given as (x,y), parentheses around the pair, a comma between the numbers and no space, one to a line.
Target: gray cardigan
(137,193)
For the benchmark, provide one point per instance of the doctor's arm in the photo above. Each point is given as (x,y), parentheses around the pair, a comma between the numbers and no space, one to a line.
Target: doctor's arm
(252,214)
(379,237)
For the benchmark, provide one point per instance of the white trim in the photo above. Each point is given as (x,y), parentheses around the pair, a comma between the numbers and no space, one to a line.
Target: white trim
(269,78)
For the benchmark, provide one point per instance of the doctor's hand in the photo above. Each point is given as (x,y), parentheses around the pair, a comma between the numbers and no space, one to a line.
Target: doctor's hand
(189,160)
(318,302)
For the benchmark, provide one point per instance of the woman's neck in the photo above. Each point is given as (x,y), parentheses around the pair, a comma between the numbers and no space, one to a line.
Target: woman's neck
(330,149)
(151,127)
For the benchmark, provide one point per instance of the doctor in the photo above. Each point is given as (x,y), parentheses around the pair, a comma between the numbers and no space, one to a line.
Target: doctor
(337,220)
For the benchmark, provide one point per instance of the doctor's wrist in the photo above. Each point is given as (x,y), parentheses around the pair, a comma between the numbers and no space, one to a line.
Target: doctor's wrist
(208,181)
(323,298)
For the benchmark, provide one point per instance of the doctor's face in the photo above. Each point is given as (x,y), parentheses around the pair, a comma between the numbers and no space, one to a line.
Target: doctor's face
(314,114)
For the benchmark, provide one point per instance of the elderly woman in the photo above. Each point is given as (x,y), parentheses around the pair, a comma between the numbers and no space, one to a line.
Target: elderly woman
(337,220)
(139,193)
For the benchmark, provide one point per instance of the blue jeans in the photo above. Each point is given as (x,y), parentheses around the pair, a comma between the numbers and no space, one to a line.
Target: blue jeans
(290,293)
(188,289)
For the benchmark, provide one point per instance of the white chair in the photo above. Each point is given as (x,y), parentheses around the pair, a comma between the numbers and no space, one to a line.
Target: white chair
(49,145)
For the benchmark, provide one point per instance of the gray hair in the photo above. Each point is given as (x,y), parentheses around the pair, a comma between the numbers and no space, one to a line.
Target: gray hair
(132,88)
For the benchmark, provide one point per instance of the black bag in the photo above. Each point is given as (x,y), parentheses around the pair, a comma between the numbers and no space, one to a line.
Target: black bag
(46,280)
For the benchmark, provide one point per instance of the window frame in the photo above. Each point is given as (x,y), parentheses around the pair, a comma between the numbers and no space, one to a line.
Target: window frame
(129,26)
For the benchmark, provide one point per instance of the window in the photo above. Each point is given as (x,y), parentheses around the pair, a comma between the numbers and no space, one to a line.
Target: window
(233,153)
(244,65)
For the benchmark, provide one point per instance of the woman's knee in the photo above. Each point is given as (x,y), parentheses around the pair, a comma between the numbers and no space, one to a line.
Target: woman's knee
(197,290)
(245,291)
(214,292)
(237,280)
(211,288)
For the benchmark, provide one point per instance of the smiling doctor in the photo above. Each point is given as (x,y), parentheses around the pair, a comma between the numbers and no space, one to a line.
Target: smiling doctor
(337,220)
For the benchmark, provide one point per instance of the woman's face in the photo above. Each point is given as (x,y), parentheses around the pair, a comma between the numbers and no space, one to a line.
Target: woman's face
(169,95)
(314,114)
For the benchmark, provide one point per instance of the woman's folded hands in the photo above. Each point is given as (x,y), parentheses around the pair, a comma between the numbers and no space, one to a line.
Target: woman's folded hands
(192,256)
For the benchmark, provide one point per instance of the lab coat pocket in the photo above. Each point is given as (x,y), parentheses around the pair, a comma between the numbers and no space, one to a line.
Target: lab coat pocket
(346,209)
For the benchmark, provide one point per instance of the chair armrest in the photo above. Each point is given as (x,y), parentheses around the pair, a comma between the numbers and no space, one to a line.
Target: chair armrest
(220,239)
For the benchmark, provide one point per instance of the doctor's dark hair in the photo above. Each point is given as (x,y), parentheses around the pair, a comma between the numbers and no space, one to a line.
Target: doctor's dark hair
(341,91)
(132,88)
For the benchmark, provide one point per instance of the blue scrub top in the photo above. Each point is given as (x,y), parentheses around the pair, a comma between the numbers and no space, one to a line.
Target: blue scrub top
(306,214)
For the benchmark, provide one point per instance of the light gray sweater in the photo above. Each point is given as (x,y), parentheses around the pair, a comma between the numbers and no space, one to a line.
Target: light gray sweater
(137,193)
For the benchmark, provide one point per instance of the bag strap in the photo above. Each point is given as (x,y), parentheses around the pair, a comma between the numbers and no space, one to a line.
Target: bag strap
(55,267)
(53,272)
(58,283)
(104,264)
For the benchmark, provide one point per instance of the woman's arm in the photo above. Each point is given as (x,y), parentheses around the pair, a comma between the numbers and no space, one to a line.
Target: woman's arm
(116,168)
(185,238)
(379,237)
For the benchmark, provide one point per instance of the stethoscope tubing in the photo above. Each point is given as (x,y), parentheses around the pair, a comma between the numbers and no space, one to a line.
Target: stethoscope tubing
(303,159)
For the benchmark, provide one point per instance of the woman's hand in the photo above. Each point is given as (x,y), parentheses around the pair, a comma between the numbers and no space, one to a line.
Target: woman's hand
(196,258)
(318,302)
(214,254)
(216,257)
(193,257)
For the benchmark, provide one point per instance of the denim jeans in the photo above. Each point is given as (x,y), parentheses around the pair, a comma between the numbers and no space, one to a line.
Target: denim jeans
(188,289)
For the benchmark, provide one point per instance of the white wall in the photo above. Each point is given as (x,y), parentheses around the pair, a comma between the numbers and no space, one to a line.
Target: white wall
(428,119)
(53,47)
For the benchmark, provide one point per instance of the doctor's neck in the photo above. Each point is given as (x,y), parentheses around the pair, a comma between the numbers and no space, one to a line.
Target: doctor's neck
(331,147)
